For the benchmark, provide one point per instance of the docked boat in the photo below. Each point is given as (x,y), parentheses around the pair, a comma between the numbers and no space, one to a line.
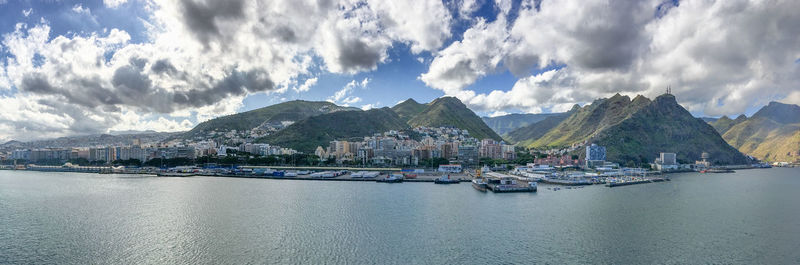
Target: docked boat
(394,178)
(480,184)
(445,179)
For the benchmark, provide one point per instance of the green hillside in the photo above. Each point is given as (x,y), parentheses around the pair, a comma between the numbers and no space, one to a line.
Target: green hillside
(772,134)
(723,124)
(449,111)
(664,126)
(408,109)
(526,135)
(307,134)
(596,117)
(287,111)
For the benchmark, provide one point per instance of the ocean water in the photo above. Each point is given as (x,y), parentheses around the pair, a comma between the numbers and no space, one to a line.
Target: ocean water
(748,217)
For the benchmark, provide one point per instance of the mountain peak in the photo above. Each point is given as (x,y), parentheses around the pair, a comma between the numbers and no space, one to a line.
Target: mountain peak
(575,108)
(450,111)
(619,97)
(409,101)
(446,100)
(780,112)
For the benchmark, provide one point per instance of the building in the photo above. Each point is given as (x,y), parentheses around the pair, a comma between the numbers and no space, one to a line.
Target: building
(490,148)
(666,161)
(468,154)
(595,155)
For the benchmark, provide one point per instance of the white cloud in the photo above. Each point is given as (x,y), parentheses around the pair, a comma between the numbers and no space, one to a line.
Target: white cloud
(114,3)
(343,96)
(720,57)
(368,106)
(27,12)
(462,63)
(306,85)
(78,8)
(498,114)
(247,46)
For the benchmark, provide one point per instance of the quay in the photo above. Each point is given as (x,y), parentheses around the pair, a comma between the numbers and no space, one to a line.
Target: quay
(634,182)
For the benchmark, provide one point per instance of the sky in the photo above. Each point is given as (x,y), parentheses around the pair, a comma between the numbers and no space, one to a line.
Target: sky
(87,67)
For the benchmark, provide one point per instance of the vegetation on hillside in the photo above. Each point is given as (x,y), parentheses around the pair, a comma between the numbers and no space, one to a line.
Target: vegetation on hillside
(408,109)
(772,134)
(287,111)
(665,126)
(450,112)
(307,134)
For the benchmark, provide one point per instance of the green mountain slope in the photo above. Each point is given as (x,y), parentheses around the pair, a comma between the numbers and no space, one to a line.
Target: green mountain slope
(584,123)
(664,126)
(307,134)
(530,133)
(449,111)
(772,134)
(290,111)
(507,123)
(408,109)
(723,124)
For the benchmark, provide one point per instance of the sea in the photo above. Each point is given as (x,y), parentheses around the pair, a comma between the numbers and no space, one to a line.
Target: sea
(748,217)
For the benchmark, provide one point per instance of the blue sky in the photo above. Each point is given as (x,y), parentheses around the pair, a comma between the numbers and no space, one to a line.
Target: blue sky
(78,67)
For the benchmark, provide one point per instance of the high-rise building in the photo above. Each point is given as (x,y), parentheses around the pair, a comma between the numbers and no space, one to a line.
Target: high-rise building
(668,159)
(595,155)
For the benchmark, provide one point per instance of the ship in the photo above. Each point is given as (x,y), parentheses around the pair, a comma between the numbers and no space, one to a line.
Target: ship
(445,179)
(394,178)
(479,184)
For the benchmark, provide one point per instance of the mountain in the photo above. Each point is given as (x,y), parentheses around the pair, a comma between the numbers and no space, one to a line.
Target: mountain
(507,123)
(637,131)
(408,109)
(91,140)
(723,124)
(449,111)
(307,134)
(664,126)
(780,112)
(278,115)
(532,132)
(771,134)
(586,122)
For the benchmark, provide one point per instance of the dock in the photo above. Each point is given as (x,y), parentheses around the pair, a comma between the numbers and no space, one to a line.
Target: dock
(497,188)
(634,182)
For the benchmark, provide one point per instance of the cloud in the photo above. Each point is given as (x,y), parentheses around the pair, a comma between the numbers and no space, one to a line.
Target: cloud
(114,3)
(27,12)
(720,57)
(307,85)
(498,114)
(343,96)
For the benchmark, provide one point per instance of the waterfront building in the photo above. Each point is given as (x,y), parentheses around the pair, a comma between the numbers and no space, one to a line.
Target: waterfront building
(595,155)
(666,161)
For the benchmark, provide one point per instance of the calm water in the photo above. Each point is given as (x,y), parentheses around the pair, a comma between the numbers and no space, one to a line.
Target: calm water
(752,216)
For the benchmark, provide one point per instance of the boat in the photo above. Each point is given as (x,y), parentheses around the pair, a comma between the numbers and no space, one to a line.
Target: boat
(479,184)
(394,178)
(445,179)
(533,185)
